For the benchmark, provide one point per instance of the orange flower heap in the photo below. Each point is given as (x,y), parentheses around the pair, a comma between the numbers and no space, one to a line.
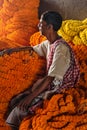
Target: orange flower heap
(17,21)
(17,73)
(36,39)
(60,113)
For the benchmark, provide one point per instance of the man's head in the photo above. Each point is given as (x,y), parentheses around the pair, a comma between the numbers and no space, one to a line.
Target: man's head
(50,19)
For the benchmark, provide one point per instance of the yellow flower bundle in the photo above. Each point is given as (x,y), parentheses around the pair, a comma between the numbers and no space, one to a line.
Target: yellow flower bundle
(75,31)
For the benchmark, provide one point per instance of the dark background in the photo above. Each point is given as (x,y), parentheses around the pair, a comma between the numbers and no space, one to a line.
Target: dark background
(69,9)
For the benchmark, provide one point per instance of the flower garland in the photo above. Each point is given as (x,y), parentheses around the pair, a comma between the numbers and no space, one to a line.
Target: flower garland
(75,31)
(17,21)
(63,111)
(17,73)
(36,39)
(60,113)
(17,24)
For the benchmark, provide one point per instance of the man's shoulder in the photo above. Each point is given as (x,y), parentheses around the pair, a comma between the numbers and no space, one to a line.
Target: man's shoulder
(45,43)
(62,44)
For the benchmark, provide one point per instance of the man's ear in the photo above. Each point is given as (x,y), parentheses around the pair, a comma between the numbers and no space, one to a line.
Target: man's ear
(49,26)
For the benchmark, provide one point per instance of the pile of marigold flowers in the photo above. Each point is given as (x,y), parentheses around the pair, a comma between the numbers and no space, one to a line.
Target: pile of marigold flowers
(17,24)
(65,111)
(17,73)
(17,21)
(59,113)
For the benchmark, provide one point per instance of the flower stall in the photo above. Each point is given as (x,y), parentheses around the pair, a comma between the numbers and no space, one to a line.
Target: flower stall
(18,28)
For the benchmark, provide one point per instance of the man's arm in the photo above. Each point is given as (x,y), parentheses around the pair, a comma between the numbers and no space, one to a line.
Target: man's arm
(11,50)
(35,91)
(42,84)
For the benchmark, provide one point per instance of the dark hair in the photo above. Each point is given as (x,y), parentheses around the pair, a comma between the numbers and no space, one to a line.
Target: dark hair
(54,18)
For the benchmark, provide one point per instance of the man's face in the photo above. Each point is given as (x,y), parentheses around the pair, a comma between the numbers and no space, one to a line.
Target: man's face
(42,26)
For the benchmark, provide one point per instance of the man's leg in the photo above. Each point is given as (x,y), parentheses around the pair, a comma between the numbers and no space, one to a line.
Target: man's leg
(14,128)
(15,118)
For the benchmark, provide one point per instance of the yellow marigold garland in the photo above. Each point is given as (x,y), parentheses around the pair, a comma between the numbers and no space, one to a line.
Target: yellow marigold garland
(77,40)
(74,30)
(83,36)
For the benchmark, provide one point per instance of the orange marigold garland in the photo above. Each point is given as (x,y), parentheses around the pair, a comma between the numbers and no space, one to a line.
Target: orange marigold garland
(63,111)
(60,113)
(36,39)
(17,73)
(17,21)
(81,54)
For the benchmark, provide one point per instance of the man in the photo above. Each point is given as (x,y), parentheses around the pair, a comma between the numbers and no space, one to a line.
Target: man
(62,70)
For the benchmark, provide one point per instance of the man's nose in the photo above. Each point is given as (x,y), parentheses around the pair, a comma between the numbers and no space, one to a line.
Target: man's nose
(39,24)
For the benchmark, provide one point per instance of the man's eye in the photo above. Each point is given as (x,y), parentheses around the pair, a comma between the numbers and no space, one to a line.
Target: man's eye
(41,24)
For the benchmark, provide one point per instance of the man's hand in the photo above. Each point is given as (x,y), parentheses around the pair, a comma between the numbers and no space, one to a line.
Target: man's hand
(15,100)
(11,50)
(39,87)
(24,104)
(37,83)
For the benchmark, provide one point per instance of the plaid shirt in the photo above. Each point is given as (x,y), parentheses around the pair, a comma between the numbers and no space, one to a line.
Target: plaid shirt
(72,75)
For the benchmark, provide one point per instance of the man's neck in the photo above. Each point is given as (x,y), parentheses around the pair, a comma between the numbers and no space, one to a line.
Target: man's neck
(53,38)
